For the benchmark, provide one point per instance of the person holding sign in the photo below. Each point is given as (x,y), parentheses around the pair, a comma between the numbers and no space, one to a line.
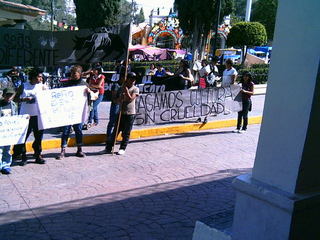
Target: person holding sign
(229,77)
(126,98)
(75,80)
(246,93)
(7,108)
(96,85)
(27,93)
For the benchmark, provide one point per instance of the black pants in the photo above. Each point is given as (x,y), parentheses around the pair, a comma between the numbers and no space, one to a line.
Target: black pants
(125,128)
(38,135)
(246,105)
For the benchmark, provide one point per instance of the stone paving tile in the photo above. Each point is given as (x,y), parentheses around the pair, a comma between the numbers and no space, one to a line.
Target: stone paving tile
(156,191)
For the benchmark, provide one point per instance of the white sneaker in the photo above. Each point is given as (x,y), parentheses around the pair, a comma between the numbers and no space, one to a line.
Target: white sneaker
(242,131)
(236,131)
(121,152)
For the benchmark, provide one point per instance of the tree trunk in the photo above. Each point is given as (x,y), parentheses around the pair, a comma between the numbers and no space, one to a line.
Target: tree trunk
(195,39)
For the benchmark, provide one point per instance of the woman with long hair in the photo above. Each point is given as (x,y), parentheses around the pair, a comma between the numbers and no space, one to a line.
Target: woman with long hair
(246,92)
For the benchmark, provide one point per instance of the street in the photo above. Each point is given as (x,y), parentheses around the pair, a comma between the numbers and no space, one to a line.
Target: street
(157,190)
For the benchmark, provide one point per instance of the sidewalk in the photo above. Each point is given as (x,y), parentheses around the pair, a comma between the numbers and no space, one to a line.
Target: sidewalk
(97,134)
(158,190)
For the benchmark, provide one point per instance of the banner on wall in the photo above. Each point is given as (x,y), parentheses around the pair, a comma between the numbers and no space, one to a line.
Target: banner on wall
(44,48)
(13,129)
(62,107)
(169,106)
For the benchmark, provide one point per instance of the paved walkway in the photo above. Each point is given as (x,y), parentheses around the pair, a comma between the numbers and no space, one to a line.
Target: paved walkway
(156,191)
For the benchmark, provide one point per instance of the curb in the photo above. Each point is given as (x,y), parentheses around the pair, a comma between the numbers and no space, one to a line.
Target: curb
(147,132)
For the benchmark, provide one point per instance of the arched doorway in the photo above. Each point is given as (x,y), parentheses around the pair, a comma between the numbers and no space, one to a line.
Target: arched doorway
(165,40)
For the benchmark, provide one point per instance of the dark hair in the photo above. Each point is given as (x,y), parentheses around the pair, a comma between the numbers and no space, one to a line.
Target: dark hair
(247,74)
(34,72)
(185,64)
(215,59)
(131,75)
(98,68)
(229,61)
(204,61)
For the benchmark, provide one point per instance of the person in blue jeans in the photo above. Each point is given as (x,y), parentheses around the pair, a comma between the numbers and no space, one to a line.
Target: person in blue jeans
(7,108)
(114,107)
(96,85)
(75,80)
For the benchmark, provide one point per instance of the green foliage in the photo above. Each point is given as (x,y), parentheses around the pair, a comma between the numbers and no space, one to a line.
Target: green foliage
(43,23)
(264,11)
(259,72)
(191,12)
(97,13)
(247,34)
(139,18)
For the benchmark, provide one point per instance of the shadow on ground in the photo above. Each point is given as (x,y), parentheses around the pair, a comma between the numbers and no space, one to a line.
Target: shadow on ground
(163,211)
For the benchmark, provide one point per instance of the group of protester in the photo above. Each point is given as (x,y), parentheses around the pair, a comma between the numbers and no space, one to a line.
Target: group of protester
(23,101)
(23,97)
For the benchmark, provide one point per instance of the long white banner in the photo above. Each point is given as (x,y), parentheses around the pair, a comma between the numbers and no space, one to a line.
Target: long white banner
(13,129)
(153,108)
(62,107)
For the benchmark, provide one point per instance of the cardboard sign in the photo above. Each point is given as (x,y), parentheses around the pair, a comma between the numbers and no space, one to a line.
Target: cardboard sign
(62,107)
(155,108)
(13,129)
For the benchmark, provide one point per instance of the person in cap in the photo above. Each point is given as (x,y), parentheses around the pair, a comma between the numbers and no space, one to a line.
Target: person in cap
(126,98)
(7,108)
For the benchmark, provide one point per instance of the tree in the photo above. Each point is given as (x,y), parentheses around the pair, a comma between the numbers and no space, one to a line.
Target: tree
(264,11)
(42,23)
(139,18)
(97,13)
(248,34)
(197,19)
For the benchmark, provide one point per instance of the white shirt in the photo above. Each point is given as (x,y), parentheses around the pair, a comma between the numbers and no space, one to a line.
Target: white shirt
(227,74)
(30,90)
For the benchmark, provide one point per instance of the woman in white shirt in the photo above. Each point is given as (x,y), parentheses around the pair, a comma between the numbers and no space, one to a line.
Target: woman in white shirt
(28,97)
(229,74)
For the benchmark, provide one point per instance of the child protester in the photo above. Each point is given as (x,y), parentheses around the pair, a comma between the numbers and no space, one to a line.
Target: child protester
(7,108)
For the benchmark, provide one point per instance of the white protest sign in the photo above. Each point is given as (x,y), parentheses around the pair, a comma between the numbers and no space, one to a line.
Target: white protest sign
(62,107)
(13,129)
(161,107)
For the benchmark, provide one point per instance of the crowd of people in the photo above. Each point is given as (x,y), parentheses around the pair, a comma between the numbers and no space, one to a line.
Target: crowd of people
(21,99)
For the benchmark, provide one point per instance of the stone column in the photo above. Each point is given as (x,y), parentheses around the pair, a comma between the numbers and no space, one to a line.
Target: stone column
(281,199)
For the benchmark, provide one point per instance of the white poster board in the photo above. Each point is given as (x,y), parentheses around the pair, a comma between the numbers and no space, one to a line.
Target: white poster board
(162,107)
(13,129)
(62,107)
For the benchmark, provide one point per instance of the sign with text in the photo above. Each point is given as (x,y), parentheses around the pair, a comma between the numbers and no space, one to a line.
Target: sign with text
(44,48)
(154,108)
(62,107)
(13,129)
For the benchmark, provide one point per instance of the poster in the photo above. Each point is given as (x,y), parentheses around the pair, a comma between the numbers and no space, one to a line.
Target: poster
(13,129)
(162,107)
(62,107)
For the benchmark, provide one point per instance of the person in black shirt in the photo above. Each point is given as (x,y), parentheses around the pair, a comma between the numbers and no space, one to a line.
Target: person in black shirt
(246,91)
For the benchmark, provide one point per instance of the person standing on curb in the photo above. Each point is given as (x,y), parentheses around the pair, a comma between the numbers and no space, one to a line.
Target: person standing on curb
(127,97)
(7,108)
(246,92)
(75,80)
(229,77)
(27,93)
(96,84)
